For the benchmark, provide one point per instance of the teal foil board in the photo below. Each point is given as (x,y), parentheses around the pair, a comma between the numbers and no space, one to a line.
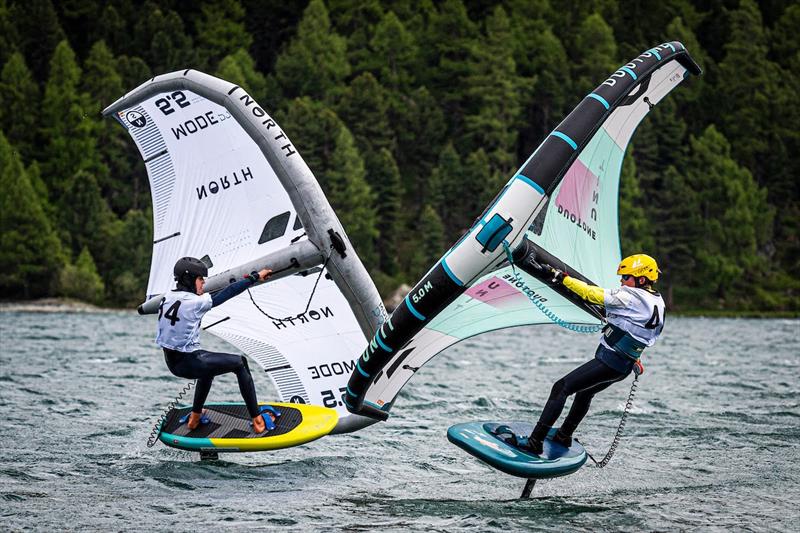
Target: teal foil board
(478,439)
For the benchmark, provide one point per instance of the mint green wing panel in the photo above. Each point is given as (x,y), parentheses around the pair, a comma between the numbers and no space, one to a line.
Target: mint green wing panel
(579,226)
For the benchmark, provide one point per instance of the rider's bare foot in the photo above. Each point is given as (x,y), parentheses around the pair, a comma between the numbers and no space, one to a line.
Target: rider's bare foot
(259,426)
(194,420)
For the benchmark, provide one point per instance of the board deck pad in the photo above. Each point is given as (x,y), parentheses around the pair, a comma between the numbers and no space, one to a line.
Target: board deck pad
(230,429)
(479,439)
(230,422)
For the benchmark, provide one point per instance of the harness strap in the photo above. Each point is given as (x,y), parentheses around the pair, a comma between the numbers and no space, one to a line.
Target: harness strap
(623,342)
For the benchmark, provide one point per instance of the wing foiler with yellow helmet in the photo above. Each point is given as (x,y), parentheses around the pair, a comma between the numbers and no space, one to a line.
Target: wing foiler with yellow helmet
(561,208)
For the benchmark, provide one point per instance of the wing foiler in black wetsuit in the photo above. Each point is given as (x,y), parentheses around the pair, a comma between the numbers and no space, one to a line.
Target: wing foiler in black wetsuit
(179,325)
(628,306)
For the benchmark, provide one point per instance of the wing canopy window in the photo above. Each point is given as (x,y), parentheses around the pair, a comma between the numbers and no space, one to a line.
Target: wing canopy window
(275,227)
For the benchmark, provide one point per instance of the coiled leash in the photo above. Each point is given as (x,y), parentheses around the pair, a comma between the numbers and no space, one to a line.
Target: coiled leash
(159,425)
(578,328)
(610,453)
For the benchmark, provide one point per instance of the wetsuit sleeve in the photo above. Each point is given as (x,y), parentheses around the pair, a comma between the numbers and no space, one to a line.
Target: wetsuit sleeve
(234,289)
(590,293)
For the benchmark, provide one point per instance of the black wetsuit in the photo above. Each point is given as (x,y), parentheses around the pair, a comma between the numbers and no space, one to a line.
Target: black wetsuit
(584,382)
(203,366)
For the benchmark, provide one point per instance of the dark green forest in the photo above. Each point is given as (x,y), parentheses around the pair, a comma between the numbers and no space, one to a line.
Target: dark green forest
(412,115)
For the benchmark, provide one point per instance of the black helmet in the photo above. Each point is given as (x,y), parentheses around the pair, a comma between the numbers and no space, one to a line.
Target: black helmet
(186,270)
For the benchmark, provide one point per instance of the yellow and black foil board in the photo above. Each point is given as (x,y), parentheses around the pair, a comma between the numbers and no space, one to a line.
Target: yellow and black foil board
(230,429)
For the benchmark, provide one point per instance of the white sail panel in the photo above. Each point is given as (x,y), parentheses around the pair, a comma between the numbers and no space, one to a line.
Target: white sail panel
(213,190)
(307,355)
(216,197)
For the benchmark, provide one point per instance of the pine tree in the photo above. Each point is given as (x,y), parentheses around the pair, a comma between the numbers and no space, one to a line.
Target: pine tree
(352,198)
(30,252)
(38,32)
(431,245)
(677,231)
(133,70)
(784,189)
(651,21)
(444,190)
(384,178)
(313,129)
(81,280)
(420,124)
(126,278)
(736,220)
(84,214)
(161,38)
(479,184)
(785,42)
(688,97)
(462,190)
(239,68)
(77,18)
(597,56)
(759,117)
(100,78)
(493,89)
(8,33)
(102,82)
(364,108)
(315,61)
(328,148)
(357,21)
(69,131)
(545,83)
(220,31)
(634,227)
(394,54)
(111,29)
(272,29)
(564,18)
(446,45)
(747,114)
(19,106)
(35,176)
(660,142)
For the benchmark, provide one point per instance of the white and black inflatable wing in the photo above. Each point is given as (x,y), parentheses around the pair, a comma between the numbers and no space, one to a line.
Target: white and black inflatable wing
(229,187)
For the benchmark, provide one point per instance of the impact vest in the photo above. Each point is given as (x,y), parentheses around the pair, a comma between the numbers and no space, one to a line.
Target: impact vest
(179,319)
(635,320)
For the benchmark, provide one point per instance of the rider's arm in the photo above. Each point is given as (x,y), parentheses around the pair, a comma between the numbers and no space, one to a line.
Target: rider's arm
(239,287)
(590,293)
(234,289)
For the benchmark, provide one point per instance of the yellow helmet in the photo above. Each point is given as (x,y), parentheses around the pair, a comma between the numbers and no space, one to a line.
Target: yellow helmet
(639,265)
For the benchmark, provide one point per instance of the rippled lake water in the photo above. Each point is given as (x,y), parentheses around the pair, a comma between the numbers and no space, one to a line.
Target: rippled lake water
(712,443)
